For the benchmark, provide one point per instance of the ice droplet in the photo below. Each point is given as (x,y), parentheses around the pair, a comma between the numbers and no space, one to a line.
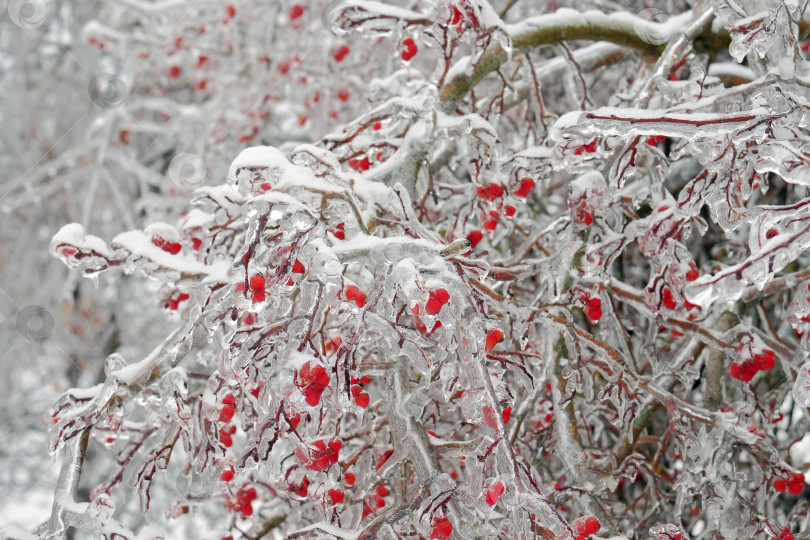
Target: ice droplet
(801,388)
(114,362)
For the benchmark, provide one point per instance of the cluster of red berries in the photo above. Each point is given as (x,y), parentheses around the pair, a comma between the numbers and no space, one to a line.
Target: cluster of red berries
(491,193)
(746,369)
(794,484)
(225,415)
(340,231)
(256,286)
(360,398)
(243,502)
(375,500)
(320,455)
(169,247)
(586,526)
(436,301)
(592,308)
(352,292)
(409,49)
(312,380)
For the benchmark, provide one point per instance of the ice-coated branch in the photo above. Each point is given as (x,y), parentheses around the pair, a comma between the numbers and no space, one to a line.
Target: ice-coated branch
(563,25)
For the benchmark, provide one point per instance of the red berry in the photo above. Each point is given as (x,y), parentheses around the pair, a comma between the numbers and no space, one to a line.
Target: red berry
(525,188)
(592,525)
(231,11)
(360,164)
(442,528)
(494,337)
(226,413)
(350,291)
(747,371)
(362,400)
(360,299)
(734,370)
(771,233)
(301,490)
(494,493)
(490,192)
(509,210)
(226,476)
(340,53)
(409,49)
(490,225)
(174,72)
(796,485)
(780,485)
(229,400)
(349,478)
(474,237)
(668,301)
(507,414)
(593,309)
(433,306)
(225,439)
(336,496)
(441,295)
(296,11)
(257,283)
(343,95)
(298,267)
